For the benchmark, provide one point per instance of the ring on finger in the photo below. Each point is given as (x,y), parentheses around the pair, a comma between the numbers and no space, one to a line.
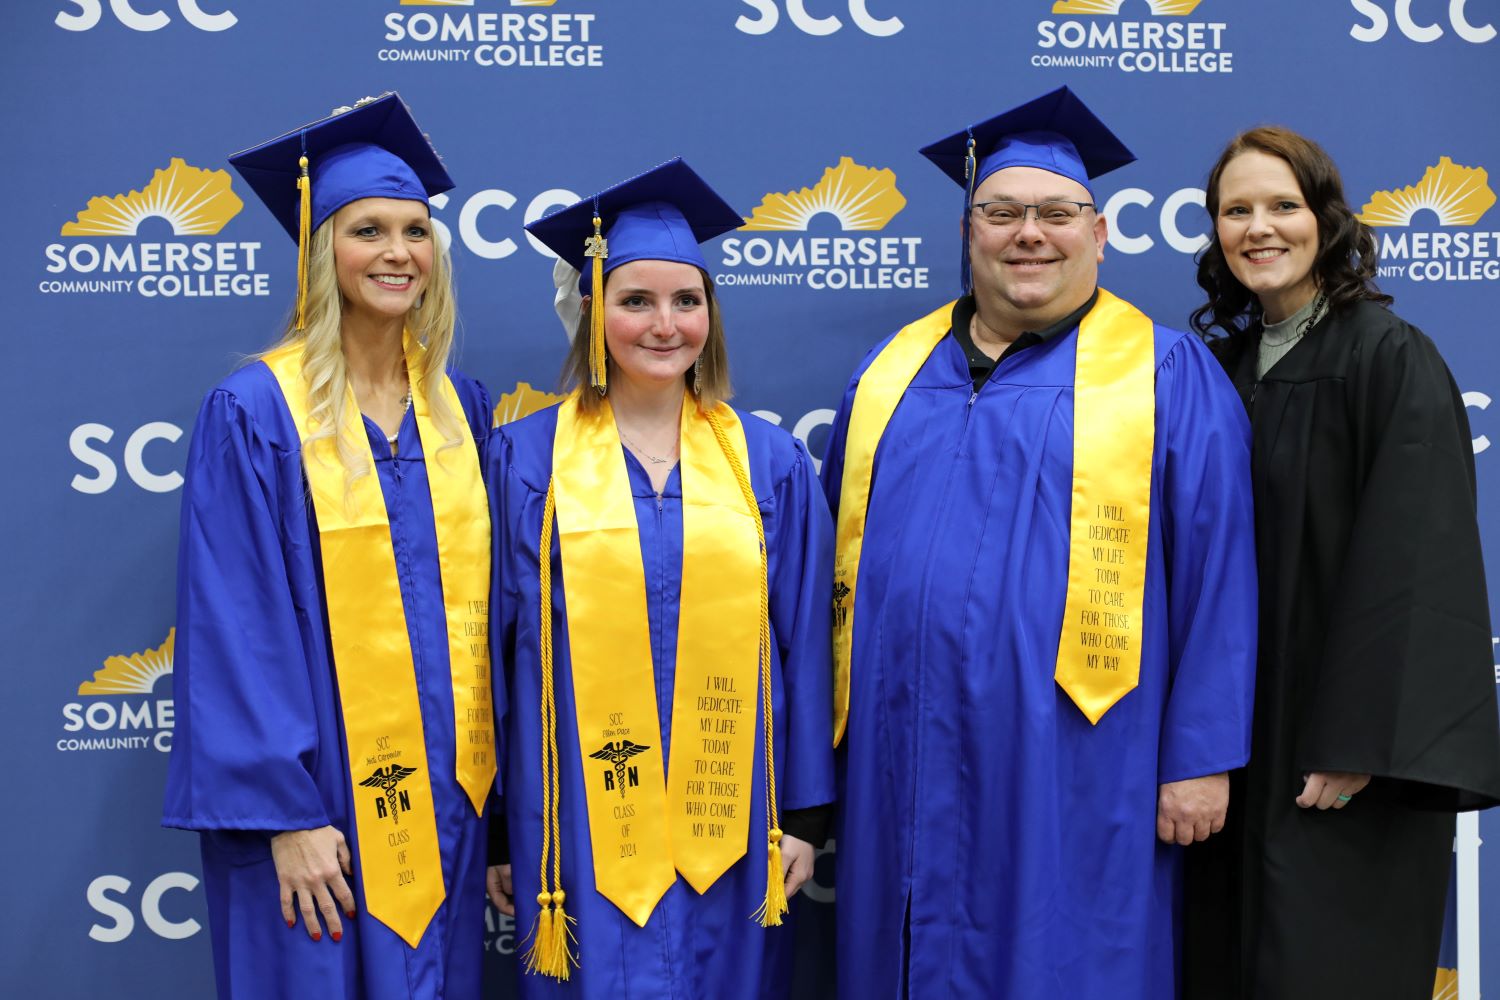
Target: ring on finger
(1345,798)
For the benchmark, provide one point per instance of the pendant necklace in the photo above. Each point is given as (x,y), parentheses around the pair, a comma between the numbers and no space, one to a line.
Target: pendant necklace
(405,406)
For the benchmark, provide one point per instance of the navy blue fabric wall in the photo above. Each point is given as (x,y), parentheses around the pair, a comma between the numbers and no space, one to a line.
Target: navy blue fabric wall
(143,270)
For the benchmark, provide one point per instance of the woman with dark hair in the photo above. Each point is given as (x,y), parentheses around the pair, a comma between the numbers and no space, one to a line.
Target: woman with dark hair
(663,565)
(1375,712)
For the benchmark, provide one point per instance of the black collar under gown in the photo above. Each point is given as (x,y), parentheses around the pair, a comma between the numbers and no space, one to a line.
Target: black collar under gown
(1375,657)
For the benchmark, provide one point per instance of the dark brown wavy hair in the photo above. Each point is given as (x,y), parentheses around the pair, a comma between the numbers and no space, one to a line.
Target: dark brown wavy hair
(1346,261)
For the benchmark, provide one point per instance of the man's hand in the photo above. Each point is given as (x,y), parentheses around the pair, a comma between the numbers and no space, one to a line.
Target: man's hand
(796,863)
(498,886)
(1193,809)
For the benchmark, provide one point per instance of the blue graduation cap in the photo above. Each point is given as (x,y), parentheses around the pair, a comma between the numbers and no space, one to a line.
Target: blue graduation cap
(662,214)
(374,149)
(1055,132)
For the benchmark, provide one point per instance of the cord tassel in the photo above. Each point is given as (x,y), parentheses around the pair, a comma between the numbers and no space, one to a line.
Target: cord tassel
(304,239)
(539,955)
(771,911)
(549,954)
(597,249)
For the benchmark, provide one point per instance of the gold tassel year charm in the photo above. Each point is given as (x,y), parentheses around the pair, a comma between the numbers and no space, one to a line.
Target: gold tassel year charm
(597,249)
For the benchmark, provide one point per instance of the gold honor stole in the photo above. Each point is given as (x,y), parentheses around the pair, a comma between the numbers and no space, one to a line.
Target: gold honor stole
(399,860)
(643,824)
(1114,418)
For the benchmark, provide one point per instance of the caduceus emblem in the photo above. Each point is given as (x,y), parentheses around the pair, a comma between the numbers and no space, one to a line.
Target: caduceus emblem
(840,613)
(617,754)
(386,779)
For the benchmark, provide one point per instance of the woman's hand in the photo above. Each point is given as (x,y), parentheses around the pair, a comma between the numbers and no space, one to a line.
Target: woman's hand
(497,886)
(1331,789)
(796,863)
(311,865)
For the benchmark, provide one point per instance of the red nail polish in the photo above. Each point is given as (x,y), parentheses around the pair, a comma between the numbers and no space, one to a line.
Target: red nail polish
(336,935)
(349,913)
(317,935)
(290,924)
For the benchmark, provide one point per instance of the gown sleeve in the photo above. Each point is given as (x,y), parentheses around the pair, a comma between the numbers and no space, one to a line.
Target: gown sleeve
(802,621)
(1405,687)
(246,724)
(1208,535)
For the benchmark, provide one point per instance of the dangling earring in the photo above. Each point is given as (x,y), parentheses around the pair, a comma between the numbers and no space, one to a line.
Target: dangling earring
(698,376)
(420,299)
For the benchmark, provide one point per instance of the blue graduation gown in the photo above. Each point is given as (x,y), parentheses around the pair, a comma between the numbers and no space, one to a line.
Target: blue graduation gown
(692,946)
(260,744)
(983,819)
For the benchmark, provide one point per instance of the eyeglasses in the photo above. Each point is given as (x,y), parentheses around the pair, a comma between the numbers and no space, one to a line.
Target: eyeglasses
(1007,214)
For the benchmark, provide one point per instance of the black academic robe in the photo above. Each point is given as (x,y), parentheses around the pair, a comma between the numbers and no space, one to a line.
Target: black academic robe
(1374,659)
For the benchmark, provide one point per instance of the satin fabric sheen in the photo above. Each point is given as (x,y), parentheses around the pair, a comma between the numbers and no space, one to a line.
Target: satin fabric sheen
(259,746)
(992,842)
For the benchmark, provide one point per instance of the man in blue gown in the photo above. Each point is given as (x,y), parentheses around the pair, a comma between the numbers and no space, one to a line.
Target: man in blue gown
(1002,834)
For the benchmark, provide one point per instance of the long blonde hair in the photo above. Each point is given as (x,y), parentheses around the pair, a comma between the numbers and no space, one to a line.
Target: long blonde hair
(326,372)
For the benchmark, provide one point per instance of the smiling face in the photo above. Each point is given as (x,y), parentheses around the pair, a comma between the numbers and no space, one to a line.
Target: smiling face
(382,253)
(1034,274)
(655,320)
(1268,233)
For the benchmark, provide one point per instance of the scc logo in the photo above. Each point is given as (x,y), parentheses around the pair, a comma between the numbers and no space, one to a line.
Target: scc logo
(90,12)
(1479,401)
(82,443)
(107,896)
(1125,234)
(859,13)
(1380,23)
(483,246)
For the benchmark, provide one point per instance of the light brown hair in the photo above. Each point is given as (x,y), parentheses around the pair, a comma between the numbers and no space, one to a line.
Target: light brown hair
(715,356)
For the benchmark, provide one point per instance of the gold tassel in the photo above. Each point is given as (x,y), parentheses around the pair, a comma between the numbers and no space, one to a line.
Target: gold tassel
(769,913)
(539,955)
(596,248)
(304,239)
(549,954)
(562,957)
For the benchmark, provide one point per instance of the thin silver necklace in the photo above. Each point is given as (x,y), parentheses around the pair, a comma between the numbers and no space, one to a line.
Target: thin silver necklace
(654,460)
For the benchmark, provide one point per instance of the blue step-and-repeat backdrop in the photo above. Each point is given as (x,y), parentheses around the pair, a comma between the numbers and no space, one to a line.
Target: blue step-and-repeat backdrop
(144,270)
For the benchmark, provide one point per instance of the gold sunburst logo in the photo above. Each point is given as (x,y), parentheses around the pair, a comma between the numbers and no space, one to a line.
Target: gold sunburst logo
(859,197)
(1446,986)
(132,673)
(437,3)
(532,3)
(196,202)
(523,402)
(1161,8)
(1458,195)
